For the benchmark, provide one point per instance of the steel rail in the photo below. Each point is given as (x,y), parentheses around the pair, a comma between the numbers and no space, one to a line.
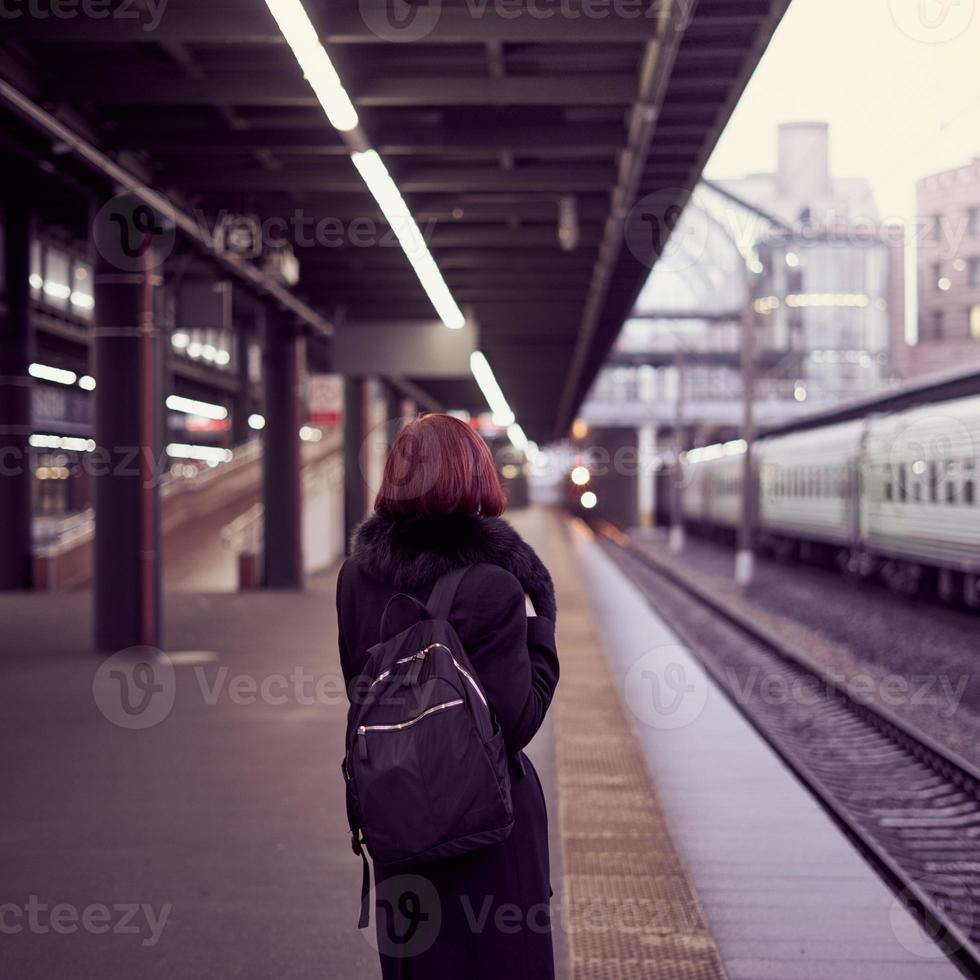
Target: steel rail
(959,941)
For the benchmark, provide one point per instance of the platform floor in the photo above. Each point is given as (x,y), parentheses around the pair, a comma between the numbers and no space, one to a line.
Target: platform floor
(220,830)
(786,895)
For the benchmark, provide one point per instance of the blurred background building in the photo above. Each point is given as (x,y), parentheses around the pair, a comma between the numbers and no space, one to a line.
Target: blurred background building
(948,267)
(802,254)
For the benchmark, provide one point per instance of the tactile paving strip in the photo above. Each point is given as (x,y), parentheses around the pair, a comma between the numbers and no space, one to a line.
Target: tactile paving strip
(631,911)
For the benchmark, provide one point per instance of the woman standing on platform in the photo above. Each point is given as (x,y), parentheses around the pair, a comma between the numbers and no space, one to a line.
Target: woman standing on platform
(483,914)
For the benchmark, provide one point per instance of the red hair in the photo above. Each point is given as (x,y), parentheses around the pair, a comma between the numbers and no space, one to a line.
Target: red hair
(439,465)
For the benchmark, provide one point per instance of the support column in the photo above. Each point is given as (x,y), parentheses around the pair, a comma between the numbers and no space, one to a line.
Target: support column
(281,460)
(745,553)
(129,460)
(395,412)
(16,354)
(646,489)
(355,503)
(242,405)
(676,537)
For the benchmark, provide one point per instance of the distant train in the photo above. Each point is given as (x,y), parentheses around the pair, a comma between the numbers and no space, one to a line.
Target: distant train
(894,495)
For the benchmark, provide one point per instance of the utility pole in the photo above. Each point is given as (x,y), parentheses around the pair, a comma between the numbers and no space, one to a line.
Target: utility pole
(745,553)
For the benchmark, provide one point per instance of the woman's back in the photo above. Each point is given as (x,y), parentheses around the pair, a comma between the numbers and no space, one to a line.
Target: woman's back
(482,914)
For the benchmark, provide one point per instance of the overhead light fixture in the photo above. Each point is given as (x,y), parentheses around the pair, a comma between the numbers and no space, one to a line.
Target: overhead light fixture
(204,454)
(44,372)
(301,36)
(189,406)
(480,366)
(375,174)
(516,435)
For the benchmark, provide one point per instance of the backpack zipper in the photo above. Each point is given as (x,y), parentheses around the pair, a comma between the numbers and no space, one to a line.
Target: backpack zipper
(398,726)
(473,683)
(421,656)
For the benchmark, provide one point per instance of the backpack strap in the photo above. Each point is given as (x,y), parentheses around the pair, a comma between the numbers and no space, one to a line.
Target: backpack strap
(443,593)
(421,612)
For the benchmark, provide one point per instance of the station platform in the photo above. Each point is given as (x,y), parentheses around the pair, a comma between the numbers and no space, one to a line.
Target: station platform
(681,846)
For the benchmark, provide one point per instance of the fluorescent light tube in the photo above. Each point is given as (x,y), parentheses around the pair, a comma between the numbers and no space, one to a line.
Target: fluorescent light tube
(301,36)
(480,366)
(177,403)
(45,372)
(375,174)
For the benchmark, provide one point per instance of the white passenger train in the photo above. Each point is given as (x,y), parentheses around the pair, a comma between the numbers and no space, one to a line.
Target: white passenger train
(895,494)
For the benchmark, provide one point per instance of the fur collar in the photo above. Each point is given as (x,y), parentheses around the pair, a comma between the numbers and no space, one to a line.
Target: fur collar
(412,554)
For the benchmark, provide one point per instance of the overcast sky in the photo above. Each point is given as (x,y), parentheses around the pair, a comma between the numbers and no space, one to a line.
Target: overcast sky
(898,81)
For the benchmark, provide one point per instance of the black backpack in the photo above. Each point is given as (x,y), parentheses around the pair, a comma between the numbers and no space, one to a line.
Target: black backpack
(426,766)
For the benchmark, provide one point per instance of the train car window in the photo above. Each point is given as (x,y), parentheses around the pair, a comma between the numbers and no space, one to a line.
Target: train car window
(933,482)
(950,483)
(887,489)
(969,488)
(903,487)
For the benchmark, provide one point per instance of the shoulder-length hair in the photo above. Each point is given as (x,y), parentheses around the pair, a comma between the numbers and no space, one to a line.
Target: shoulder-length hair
(439,465)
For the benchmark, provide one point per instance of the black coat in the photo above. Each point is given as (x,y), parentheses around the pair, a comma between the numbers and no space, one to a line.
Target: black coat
(491,906)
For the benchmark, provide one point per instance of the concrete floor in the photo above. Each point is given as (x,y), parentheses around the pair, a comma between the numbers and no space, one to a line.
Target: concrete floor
(216,839)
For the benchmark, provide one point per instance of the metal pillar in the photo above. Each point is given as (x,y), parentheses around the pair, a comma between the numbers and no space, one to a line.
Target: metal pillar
(646,488)
(16,354)
(128,462)
(242,405)
(281,460)
(355,504)
(745,553)
(394,412)
(676,536)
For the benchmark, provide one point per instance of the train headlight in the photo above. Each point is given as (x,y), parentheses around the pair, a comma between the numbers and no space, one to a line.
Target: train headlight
(588,500)
(580,476)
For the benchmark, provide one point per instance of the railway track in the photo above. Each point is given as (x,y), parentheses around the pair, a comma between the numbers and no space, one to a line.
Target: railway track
(908,803)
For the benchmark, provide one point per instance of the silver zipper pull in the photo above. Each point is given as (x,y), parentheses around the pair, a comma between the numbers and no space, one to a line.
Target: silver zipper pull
(362,743)
(414,669)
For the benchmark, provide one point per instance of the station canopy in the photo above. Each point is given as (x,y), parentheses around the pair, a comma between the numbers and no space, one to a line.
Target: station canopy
(525,137)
